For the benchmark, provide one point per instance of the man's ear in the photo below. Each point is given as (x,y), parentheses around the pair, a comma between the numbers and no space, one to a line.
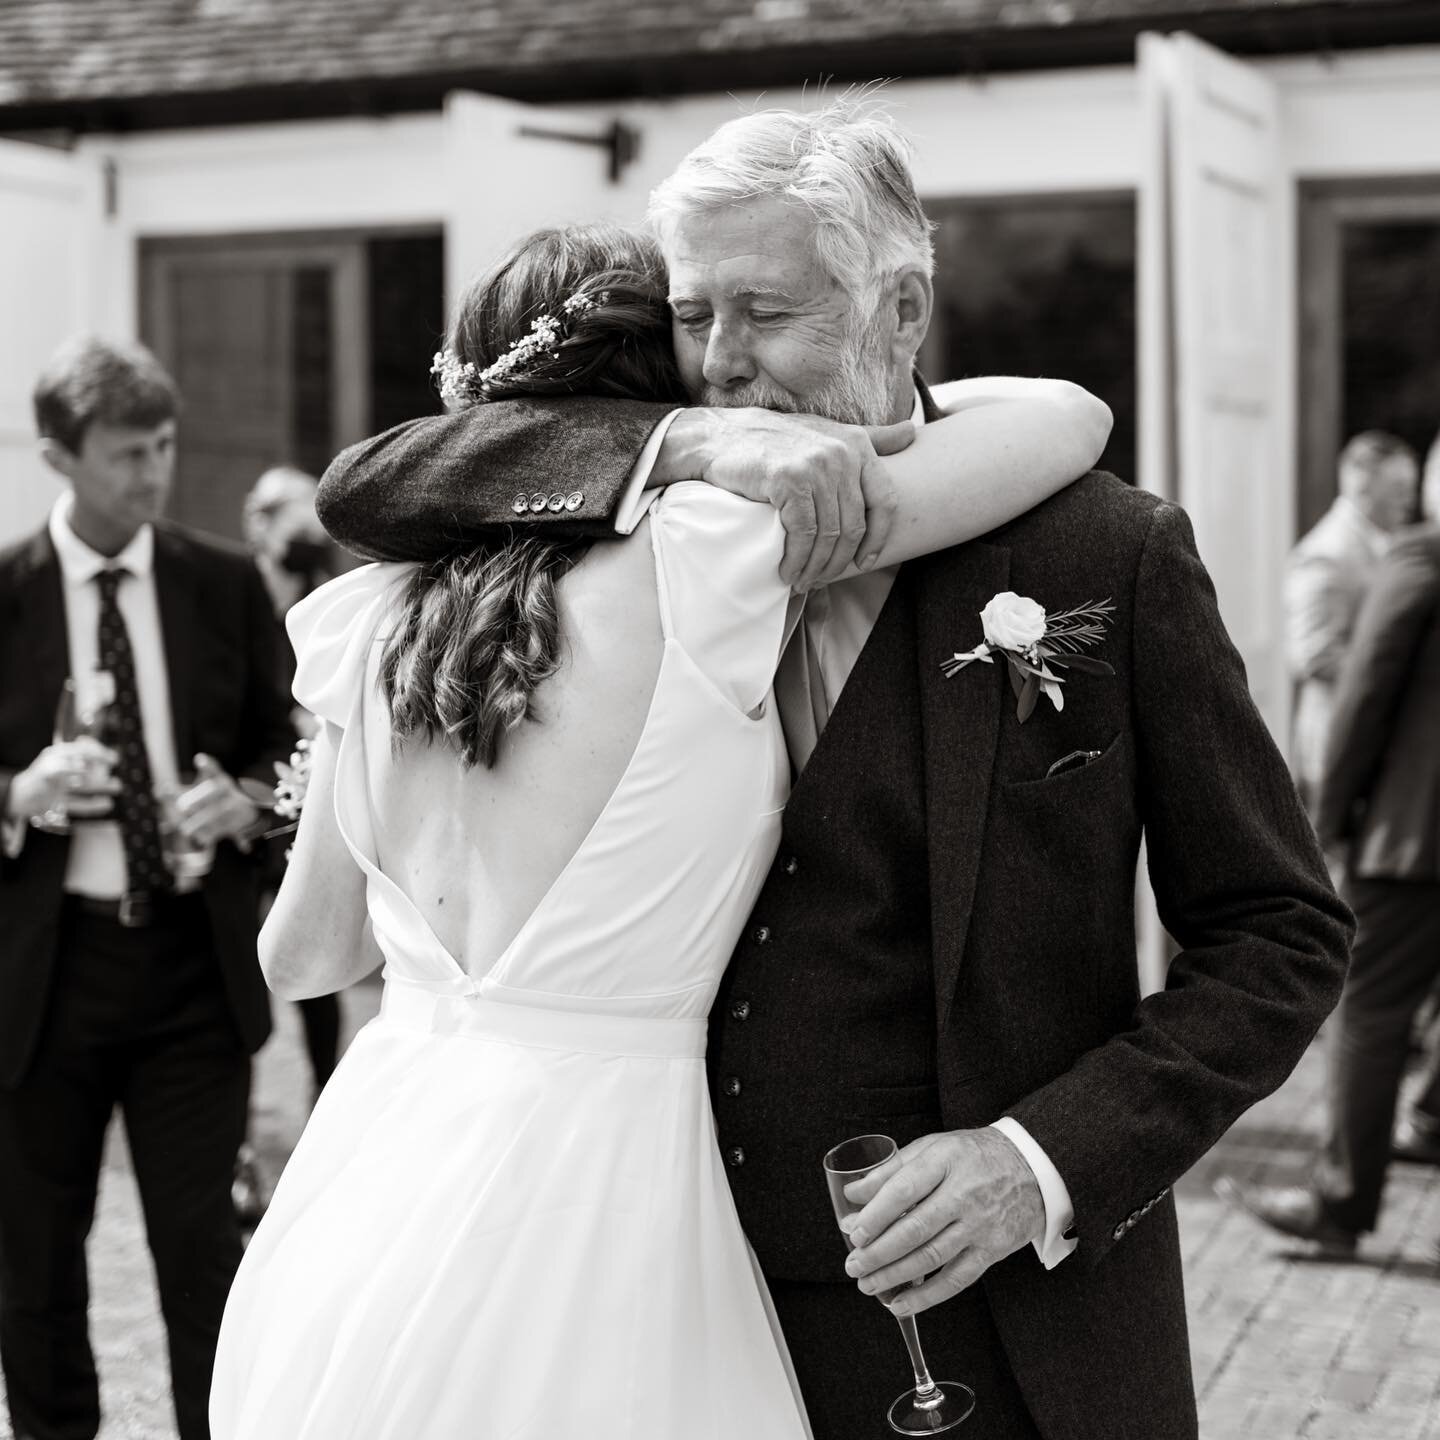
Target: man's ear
(914,299)
(57,457)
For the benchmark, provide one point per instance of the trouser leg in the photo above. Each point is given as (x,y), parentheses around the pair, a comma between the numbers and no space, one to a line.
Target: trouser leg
(185,1110)
(1394,964)
(52,1131)
(321,1018)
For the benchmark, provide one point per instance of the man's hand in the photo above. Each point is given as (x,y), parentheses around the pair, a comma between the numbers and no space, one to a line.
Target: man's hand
(948,1207)
(835,498)
(74,775)
(215,808)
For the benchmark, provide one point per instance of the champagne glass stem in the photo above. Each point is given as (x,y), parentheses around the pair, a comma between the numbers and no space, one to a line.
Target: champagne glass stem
(927,1393)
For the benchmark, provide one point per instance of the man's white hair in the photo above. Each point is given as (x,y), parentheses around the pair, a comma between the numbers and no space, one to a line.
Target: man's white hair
(846,163)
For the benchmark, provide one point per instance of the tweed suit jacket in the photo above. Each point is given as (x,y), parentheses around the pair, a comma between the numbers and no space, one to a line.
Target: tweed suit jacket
(1380,794)
(1031,900)
(226,700)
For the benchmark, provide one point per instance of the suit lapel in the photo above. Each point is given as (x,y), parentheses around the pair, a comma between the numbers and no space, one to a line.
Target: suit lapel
(179,619)
(961,720)
(42,601)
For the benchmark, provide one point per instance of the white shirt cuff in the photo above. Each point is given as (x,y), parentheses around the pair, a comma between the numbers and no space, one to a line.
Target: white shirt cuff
(638,495)
(1052,1247)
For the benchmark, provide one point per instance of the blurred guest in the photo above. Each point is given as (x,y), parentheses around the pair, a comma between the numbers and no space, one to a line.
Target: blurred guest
(1379,803)
(294,555)
(127,976)
(1329,571)
(291,549)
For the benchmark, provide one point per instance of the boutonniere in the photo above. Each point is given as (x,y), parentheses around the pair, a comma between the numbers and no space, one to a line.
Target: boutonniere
(1035,645)
(292,783)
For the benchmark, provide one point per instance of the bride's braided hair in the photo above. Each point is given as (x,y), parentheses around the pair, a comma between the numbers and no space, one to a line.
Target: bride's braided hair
(480,628)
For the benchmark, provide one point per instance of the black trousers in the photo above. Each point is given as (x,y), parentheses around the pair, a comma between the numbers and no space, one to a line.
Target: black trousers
(1395,964)
(137,1020)
(850,1359)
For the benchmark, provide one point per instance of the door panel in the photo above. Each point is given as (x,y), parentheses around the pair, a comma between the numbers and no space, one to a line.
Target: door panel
(50,207)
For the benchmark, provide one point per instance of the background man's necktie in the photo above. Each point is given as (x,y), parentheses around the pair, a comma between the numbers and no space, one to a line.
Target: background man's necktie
(135,807)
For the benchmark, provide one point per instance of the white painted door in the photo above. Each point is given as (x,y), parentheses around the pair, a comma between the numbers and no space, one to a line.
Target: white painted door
(1216,352)
(513,168)
(1218,325)
(50,204)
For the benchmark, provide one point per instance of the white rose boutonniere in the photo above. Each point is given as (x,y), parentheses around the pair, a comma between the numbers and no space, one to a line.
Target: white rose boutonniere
(1035,645)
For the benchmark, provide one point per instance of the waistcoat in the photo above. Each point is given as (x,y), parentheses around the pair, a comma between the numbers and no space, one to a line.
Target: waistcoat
(824,1025)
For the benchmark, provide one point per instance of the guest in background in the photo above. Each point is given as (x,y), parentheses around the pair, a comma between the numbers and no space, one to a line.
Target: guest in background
(126,977)
(1417,1134)
(1328,574)
(1379,805)
(294,556)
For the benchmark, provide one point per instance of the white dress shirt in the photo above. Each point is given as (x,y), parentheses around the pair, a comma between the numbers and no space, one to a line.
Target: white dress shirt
(96,866)
(838,620)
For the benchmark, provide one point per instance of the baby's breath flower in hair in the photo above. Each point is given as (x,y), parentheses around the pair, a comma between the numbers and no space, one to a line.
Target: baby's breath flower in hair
(462,380)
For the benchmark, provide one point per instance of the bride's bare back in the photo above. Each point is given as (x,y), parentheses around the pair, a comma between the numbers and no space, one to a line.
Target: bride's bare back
(468,846)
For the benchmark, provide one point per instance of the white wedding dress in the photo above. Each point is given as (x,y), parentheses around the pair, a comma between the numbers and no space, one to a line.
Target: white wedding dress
(508,1218)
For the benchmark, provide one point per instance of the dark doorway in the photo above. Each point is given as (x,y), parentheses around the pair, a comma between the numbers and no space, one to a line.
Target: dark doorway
(1040,287)
(286,349)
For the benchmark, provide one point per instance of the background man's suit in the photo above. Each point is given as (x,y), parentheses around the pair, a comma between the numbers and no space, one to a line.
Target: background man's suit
(1380,800)
(160,1020)
(1326,577)
(948,935)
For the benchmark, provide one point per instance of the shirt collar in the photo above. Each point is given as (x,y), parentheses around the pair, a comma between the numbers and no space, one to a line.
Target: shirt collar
(918,413)
(79,564)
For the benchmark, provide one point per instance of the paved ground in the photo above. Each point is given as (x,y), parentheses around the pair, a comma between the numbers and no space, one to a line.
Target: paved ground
(1286,1347)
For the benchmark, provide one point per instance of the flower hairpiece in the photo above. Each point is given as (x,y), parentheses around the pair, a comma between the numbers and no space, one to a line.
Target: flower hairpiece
(463,380)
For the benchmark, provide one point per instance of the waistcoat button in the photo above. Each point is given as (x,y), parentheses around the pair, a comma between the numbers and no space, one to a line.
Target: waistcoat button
(736,1156)
(732,1084)
(762,934)
(740,1010)
(791,864)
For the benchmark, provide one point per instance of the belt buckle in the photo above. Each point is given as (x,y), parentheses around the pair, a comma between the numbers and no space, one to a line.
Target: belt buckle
(135,911)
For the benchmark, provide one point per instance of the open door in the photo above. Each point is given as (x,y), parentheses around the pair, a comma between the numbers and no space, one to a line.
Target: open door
(1217,351)
(514,168)
(50,209)
(1217,218)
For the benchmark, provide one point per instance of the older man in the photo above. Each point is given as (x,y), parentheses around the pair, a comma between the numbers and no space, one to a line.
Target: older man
(1329,571)
(944,950)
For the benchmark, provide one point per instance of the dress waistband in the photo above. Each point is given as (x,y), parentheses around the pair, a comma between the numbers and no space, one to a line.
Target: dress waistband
(575,1030)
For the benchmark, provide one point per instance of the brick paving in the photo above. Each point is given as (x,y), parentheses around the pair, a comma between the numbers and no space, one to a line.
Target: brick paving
(1286,1347)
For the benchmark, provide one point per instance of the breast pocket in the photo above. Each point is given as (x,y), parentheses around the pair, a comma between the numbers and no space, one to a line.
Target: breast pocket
(1074,771)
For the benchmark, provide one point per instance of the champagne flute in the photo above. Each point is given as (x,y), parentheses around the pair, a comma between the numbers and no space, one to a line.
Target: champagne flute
(188,860)
(933,1405)
(82,711)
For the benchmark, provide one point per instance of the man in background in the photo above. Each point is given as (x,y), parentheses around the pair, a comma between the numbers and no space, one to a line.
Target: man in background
(126,979)
(1379,805)
(294,556)
(1329,571)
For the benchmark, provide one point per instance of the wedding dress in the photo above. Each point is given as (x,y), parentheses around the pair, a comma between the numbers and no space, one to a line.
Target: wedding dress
(508,1218)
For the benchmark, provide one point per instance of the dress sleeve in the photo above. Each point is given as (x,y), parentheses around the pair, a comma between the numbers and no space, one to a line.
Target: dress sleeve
(717,560)
(333,630)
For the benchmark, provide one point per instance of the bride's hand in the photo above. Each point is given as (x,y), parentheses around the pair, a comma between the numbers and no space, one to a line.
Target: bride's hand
(836,501)
(947,1207)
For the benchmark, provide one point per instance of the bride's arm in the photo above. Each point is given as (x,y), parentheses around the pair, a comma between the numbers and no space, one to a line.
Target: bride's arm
(315,940)
(1003,445)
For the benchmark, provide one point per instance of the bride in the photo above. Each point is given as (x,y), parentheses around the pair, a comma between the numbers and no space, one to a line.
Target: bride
(546,793)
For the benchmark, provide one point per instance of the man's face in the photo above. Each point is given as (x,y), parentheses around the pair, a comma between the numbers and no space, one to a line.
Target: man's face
(121,476)
(759,321)
(1393,491)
